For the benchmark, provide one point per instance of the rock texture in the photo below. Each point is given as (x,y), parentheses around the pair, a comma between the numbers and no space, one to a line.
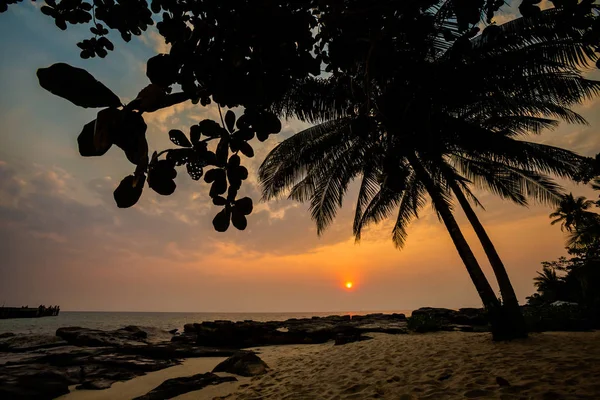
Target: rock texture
(244,334)
(465,319)
(128,336)
(22,343)
(178,386)
(243,364)
(33,381)
(43,366)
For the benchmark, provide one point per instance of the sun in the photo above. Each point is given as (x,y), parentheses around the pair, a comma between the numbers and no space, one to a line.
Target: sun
(349,285)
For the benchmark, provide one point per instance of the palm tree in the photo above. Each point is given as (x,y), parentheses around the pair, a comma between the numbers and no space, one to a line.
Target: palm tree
(549,284)
(436,134)
(572,212)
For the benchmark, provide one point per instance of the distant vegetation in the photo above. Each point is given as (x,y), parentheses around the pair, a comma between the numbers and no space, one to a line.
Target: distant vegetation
(574,281)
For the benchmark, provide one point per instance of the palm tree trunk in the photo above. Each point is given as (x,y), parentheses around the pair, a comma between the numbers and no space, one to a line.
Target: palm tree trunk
(486,293)
(509,297)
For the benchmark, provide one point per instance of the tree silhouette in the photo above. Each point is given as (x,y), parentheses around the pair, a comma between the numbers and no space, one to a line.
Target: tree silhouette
(549,284)
(417,139)
(572,212)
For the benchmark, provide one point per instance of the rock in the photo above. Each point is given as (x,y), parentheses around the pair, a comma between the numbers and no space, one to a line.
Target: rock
(100,384)
(25,343)
(463,328)
(135,332)
(178,386)
(464,316)
(439,312)
(173,331)
(389,328)
(130,362)
(77,336)
(6,335)
(244,364)
(187,337)
(502,382)
(67,356)
(174,351)
(341,338)
(33,381)
(244,334)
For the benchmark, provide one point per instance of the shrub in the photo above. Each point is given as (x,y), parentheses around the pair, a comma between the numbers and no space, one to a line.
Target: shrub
(556,318)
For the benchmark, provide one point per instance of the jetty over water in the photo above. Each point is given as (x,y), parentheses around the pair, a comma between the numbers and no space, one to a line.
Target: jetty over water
(29,312)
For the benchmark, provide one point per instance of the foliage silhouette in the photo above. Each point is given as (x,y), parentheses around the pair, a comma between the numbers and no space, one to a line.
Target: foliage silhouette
(575,279)
(572,212)
(438,132)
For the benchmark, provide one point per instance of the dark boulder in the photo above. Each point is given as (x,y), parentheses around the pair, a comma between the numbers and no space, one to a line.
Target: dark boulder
(77,336)
(342,338)
(243,334)
(178,386)
(33,381)
(464,316)
(243,364)
(445,313)
(6,335)
(26,343)
(170,351)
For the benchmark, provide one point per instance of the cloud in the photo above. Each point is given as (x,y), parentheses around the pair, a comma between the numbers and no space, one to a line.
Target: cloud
(155,41)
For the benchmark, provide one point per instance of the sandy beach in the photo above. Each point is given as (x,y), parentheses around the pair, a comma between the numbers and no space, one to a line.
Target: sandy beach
(451,365)
(446,365)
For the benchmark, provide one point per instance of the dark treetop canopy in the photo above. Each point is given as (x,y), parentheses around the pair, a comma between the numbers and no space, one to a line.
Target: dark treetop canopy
(262,55)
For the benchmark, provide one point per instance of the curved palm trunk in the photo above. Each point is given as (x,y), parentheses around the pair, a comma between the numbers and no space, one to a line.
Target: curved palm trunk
(486,293)
(509,297)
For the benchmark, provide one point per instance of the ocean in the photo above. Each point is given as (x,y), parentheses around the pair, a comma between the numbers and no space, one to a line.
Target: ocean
(161,320)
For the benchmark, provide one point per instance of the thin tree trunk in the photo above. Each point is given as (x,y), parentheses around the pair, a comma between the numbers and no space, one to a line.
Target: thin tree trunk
(486,293)
(509,297)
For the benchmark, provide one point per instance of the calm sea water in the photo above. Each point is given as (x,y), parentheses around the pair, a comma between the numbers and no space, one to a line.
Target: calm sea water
(166,321)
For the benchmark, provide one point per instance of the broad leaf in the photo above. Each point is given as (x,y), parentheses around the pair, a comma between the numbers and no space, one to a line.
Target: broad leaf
(108,124)
(219,201)
(246,149)
(221,220)
(150,98)
(76,85)
(129,191)
(239,220)
(85,142)
(244,205)
(210,128)
(194,169)
(162,70)
(132,138)
(179,138)
(230,120)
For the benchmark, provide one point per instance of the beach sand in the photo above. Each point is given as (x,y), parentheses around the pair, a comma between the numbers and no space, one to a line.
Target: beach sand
(448,365)
(445,365)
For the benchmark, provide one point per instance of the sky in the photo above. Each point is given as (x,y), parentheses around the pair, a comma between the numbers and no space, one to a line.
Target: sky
(63,240)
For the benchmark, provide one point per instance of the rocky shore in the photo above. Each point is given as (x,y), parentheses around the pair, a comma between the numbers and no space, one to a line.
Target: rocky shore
(45,367)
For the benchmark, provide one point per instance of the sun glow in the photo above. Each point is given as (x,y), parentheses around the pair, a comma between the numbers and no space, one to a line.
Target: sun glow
(349,285)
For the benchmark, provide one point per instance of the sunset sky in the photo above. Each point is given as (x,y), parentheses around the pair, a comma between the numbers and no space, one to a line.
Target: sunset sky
(64,241)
